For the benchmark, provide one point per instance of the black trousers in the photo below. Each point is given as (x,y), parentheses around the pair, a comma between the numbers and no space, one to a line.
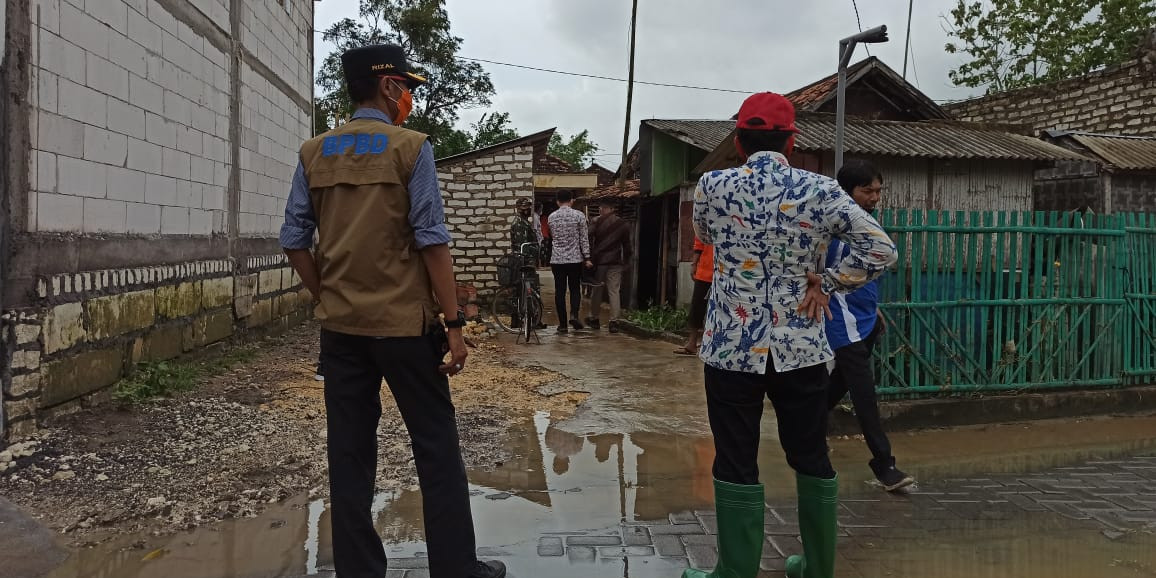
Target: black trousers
(568,276)
(735,408)
(853,373)
(354,368)
(699,300)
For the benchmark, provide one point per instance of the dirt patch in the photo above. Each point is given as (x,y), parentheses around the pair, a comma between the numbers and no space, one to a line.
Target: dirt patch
(245,438)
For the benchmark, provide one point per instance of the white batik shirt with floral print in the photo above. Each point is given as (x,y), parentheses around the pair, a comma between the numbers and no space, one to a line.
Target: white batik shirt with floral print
(769,224)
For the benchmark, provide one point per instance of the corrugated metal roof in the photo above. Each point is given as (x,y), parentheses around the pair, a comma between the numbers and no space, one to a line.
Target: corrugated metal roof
(703,134)
(923,140)
(938,140)
(1121,152)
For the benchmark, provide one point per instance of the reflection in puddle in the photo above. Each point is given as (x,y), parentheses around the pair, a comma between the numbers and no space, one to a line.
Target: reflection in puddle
(558,482)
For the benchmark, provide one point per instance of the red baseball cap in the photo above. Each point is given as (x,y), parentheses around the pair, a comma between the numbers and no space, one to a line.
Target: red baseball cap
(767,111)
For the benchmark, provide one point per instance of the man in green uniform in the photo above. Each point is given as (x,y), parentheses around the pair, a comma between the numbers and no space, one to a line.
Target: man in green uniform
(524,241)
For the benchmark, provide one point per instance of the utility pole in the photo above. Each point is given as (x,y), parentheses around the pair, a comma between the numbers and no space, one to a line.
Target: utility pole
(907,43)
(846,49)
(629,96)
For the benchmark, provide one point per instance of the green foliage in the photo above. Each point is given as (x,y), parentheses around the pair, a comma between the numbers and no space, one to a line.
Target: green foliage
(662,318)
(422,29)
(155,379)
(1016,43)
(578,150)
(491,129)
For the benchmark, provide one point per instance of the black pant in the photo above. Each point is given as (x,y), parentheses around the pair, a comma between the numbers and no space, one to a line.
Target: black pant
(354,368)
(853,372)
(568,276)
(735,408)
(699,299)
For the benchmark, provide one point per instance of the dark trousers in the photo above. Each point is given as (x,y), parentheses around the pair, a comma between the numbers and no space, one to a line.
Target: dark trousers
(853,373)
(699,299)
(354,368)
(735,408)
(567,276)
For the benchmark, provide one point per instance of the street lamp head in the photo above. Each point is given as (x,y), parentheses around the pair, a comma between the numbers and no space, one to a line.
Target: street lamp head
(875,35)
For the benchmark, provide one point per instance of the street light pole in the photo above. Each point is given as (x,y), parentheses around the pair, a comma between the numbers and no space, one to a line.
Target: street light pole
(846,49)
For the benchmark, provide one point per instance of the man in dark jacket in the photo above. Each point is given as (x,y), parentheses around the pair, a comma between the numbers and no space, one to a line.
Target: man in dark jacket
(610,250)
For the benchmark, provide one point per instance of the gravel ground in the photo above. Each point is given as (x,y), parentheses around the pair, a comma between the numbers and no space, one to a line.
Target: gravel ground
(245,438)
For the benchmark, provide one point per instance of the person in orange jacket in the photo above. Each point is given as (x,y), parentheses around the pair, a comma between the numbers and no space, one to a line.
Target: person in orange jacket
(703,274)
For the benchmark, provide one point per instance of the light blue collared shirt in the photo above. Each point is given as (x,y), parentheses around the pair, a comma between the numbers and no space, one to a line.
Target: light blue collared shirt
(427,214)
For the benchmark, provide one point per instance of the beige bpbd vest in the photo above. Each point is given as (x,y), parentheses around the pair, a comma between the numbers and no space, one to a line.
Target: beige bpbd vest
(373,280)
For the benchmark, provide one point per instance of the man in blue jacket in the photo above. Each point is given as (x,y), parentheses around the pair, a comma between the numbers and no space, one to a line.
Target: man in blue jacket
(854,327)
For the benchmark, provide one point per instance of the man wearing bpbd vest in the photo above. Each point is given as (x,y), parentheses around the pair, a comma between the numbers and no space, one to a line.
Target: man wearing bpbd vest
(378,273)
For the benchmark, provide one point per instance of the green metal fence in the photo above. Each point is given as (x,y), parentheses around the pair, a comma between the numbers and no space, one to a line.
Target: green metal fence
(1004,302)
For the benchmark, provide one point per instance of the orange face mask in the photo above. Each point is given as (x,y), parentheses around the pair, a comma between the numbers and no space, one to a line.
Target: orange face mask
(404,106)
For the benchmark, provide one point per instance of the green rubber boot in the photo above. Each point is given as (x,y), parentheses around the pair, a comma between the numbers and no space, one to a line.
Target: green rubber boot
(818,525)
(740,531)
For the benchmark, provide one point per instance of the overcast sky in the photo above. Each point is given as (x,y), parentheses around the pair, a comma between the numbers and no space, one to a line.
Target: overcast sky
(748,45)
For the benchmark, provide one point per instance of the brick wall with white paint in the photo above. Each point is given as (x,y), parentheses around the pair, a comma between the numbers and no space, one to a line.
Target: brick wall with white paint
(271,129)
(274,31)
(130,125)
(480,197)
(129,118)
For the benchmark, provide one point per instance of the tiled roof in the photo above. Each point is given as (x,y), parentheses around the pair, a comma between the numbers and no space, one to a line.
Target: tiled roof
(880,78)
(548,164)
(630,190)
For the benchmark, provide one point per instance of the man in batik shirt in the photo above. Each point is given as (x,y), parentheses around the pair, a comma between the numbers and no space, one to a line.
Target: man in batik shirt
(764,337)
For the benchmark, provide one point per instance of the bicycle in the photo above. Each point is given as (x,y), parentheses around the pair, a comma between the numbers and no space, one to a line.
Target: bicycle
(517,299)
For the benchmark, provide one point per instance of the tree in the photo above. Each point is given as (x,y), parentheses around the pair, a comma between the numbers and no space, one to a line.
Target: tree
(492,129)
(578,150)
(422,29)
(1016,43)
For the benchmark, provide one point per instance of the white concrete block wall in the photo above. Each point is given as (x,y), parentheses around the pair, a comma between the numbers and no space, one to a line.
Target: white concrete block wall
(131,122)
(274,31)
(272,126)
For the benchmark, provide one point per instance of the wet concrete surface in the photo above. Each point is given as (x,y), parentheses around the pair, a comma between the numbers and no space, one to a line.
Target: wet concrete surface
(27,549)
(623,488)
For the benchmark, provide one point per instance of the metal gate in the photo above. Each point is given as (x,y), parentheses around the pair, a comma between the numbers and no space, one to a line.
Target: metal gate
(1140,328)
(1006,302)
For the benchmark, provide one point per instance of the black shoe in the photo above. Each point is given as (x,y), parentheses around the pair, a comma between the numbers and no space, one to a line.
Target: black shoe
(594,324)
(613,327)
(562,329)
(540,326)
(893,479)
(492,569)
(516,325)
(577,325)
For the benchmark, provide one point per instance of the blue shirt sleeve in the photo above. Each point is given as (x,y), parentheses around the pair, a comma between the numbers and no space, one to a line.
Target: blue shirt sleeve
(427,214)
(300,222)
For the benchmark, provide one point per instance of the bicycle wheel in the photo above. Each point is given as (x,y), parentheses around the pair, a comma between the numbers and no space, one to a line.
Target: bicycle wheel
(533,314)
(503,308)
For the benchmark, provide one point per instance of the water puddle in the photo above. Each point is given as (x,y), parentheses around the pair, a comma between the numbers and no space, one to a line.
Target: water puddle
(561,482)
